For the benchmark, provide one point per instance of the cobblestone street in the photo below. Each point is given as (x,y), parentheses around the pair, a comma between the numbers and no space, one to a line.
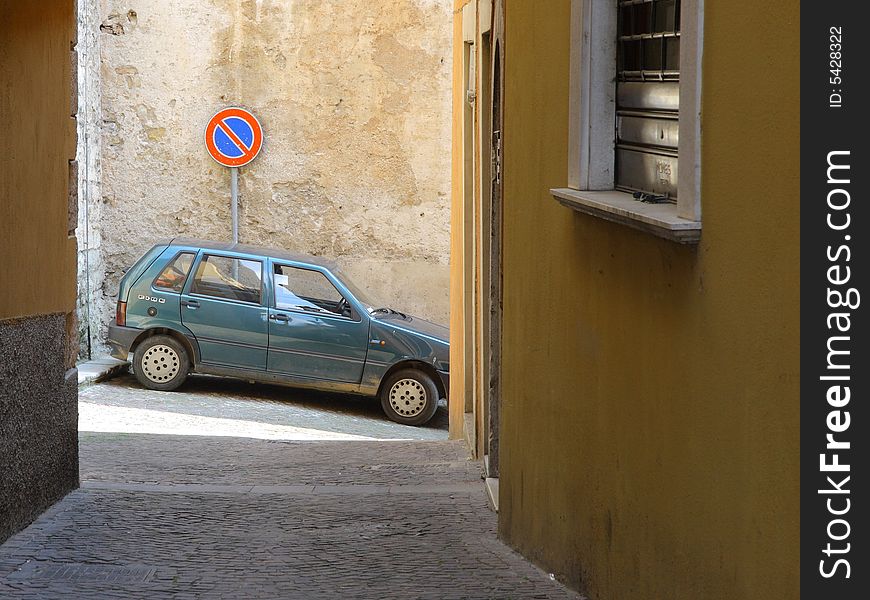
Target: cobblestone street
(231,490)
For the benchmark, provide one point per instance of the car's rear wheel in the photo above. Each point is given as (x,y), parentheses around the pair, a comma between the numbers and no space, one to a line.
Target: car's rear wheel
(409,397)
(161,363)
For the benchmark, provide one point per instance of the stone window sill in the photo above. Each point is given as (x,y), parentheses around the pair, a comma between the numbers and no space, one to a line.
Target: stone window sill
(619,207)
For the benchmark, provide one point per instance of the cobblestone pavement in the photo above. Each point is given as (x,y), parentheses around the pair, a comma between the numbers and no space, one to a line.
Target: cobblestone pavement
(214,516)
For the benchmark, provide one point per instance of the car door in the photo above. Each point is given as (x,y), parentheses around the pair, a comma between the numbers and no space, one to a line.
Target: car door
(314,331)
(222,304)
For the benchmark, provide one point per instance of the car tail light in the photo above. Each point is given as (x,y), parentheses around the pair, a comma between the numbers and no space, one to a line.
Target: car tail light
(121,314)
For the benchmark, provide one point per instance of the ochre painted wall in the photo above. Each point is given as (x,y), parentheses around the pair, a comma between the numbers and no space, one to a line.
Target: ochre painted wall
(37,257)
(650,390)
(38,383)
(457,241)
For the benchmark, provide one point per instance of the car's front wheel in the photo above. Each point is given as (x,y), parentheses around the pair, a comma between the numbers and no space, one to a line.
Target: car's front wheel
(409,397)
(161,363)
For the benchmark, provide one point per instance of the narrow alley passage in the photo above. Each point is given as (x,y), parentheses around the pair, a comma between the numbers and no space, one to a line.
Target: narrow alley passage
(291,510)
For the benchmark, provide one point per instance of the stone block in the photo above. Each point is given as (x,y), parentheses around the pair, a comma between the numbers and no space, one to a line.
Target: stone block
(38,419)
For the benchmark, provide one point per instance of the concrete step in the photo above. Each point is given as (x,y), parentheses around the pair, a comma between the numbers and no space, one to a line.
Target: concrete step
(100,369)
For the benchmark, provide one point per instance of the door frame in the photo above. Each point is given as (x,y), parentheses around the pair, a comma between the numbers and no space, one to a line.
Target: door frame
(492,247)
(357,318)
(187,292)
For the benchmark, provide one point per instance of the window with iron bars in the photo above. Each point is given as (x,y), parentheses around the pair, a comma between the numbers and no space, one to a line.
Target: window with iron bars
(648,98)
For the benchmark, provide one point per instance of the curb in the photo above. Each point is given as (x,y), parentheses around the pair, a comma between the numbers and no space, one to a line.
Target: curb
(101,369)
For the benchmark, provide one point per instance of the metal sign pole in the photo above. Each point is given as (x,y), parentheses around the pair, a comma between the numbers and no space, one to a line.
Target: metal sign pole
(234,206)
(233,137)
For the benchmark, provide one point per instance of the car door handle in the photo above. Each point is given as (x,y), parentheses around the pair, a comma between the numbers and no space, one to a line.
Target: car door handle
(190,303)
(281,318)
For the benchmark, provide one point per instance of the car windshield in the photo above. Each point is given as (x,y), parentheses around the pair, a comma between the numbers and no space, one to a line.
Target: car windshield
(366,298)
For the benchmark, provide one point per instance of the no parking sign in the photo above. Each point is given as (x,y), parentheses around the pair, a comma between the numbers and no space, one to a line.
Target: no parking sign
(233,137)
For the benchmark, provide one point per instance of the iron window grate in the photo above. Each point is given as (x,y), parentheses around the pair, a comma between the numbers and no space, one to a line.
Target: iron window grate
(647,98)
(648,40)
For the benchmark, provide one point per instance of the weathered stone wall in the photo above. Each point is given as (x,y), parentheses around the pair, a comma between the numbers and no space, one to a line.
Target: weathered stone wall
(91,273)
(354,97)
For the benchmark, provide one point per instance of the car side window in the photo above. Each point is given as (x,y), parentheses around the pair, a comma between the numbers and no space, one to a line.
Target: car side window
(229,278)
(172,278)
(307,290)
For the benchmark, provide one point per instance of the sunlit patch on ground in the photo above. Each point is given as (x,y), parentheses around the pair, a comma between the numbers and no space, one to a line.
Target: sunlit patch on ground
(211,406)
(102,418)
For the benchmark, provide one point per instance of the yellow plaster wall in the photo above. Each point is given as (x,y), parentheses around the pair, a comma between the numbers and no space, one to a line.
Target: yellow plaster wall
(467,217)
(650,429)
(457,242)
(37,258)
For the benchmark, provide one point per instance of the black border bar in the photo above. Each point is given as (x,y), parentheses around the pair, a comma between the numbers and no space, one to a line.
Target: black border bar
(835,368)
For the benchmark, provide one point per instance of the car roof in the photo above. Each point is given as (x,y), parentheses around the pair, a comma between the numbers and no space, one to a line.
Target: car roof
(251,249)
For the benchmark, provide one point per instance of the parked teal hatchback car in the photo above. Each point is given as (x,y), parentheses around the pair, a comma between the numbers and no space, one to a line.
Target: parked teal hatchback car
(192,306)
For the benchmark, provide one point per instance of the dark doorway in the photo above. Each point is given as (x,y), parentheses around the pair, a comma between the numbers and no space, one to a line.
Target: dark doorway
(492,247)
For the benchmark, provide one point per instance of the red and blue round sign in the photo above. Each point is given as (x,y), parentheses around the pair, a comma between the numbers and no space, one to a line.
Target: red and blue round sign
(233,137)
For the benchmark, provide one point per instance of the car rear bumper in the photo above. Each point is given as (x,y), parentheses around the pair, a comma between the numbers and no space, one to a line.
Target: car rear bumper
(121,339)
(445,380)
